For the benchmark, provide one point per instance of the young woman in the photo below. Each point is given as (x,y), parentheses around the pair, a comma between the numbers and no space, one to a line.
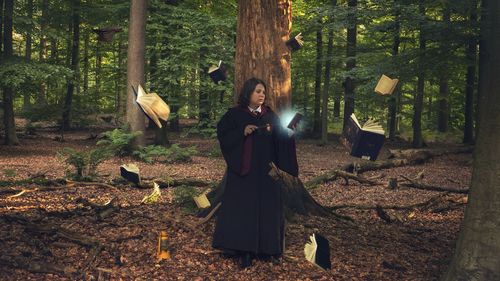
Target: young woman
(251,220)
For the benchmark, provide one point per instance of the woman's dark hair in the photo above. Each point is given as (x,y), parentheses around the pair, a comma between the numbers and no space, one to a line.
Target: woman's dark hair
(247,90)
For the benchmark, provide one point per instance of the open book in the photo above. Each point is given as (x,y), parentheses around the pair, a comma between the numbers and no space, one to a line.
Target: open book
(386,85)
(152,105)
(217,72)
(295,43)
(363,141)
(317,251)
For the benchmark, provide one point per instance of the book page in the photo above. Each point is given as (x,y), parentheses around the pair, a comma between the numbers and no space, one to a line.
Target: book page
(386,85)
(353,117)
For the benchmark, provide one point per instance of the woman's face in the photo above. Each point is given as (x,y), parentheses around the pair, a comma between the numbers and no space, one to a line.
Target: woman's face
(258,96)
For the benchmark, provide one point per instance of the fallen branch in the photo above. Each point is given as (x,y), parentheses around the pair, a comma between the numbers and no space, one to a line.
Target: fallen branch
(417,185)
(333,175)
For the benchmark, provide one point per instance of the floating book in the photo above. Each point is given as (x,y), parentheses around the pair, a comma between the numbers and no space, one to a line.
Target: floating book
(131,173)
(317,251)
(106,34)
(217,72)
(201,200)
(363,141)
(386,85)
(295,43)
(295,120)
(152,105)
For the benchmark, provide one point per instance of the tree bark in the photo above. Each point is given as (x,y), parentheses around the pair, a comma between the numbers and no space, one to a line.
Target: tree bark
(349,83)
(263,28)
(135,66)
(75,49)
(317,81)
(443,110)
(8,103)
(471,55)
(419,94)
(477,254)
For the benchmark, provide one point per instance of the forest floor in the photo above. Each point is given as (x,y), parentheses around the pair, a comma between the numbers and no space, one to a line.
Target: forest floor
(417,245)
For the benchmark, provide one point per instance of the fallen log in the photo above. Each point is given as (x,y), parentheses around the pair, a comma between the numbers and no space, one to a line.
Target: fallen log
(405,158)
(333,175)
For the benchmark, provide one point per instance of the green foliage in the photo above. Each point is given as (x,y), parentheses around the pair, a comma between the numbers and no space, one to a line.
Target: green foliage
(215,151)
(183,195)
(156,153)
(19,74)
(119,142)
(10,173)
(84,163)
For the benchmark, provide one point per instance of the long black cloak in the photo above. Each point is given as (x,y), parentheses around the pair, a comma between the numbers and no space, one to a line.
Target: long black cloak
(251,217)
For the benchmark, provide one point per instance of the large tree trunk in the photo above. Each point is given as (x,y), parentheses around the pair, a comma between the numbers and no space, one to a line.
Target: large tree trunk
(75,47)
(349,83)
(477,255)
(8,104)
(317,81)
(471,54)
(395,98)
(135,66)
(443,110)
(419,94)
(262,30)
(326,87)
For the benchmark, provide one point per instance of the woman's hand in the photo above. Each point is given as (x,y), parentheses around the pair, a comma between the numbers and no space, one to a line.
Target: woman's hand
(249,129)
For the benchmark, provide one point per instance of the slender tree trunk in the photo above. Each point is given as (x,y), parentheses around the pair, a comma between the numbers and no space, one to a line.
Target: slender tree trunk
(8,104)
(75,48)
(28,51)
(396,95)
(443,110)
(203,98)
(326,87)
(477,254)
(263,27)
(349,83)
(1,27)
(98,72)
(42,95)
(317,81)
(86,63)
(54,55)
(419,94)
(121,106)
(135,65)
(471,54)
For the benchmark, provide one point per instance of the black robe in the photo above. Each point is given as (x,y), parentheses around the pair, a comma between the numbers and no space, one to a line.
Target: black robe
(251,217)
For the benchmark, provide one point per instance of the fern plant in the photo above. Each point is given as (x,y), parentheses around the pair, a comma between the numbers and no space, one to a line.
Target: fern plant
(119,142)
(156,153)
(84,163)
